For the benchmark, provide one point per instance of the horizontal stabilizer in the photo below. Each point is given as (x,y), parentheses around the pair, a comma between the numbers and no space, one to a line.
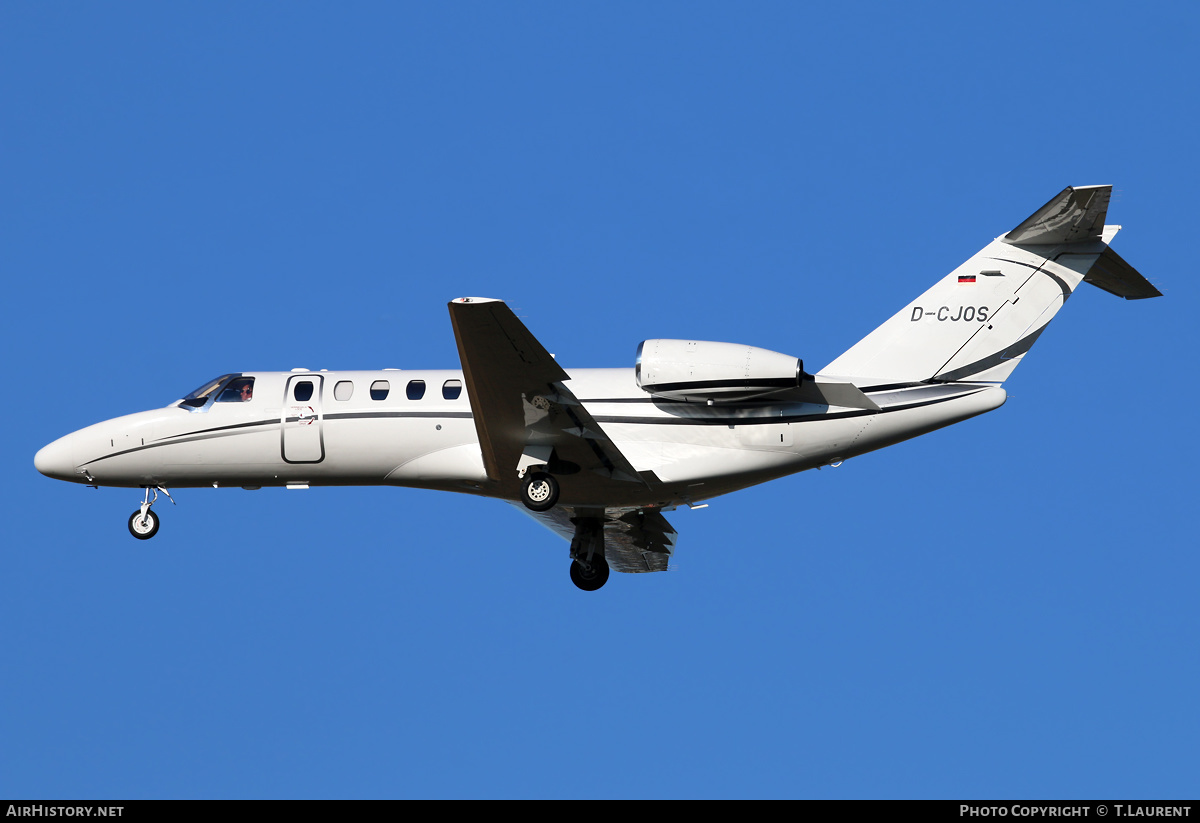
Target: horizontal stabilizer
(1111,273)
(829,393)
(1075,215)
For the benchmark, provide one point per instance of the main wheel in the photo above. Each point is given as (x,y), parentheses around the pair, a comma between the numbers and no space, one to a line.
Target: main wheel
(539,492)
(143,528)
(590,578)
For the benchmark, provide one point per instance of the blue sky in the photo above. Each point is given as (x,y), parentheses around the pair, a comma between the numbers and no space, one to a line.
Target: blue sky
(1005,608)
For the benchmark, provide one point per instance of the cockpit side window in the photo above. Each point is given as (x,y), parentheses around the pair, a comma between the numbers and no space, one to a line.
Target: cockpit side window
(239,390)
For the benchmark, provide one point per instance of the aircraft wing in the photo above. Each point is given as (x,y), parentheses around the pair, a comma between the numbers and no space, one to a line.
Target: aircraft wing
(634,541)
(524,413)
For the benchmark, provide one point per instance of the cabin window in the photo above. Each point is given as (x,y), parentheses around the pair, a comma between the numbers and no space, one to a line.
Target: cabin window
(343,390)
(451,389)
(380,389)
(416,389)
(303,391)
(238,390)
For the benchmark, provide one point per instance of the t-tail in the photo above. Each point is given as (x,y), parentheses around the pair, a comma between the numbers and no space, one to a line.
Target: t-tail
(977,323)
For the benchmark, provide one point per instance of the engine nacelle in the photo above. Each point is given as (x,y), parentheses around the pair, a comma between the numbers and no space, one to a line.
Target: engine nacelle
(702,371)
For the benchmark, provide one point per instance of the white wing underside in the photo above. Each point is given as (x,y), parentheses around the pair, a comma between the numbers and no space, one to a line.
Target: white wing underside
(634,542)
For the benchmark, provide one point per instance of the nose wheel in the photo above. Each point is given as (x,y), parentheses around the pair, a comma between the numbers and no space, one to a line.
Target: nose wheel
(143,526)
(144,523)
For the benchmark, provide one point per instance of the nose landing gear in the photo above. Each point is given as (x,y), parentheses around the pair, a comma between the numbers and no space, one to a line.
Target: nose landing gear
(143,523)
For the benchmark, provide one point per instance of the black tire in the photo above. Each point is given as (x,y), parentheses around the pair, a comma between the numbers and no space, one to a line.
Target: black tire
(539,492)
(590,579)
(143,530)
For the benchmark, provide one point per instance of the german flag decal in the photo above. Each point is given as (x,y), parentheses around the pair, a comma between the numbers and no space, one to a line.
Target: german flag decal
(966,278)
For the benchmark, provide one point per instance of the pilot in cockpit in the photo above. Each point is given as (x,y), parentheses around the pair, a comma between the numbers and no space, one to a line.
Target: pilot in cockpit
(240,390)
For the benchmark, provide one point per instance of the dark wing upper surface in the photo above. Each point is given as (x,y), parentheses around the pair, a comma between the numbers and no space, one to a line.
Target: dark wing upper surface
(523,408)
(520,402)
(502,363)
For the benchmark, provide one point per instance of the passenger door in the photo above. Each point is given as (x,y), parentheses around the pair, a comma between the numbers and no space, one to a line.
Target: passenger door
(301,419)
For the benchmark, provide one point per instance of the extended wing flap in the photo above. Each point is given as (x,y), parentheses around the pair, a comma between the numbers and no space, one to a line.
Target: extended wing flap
(634,542)
(639,542)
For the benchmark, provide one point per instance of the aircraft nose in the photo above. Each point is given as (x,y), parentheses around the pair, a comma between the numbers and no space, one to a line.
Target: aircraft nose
(56,460)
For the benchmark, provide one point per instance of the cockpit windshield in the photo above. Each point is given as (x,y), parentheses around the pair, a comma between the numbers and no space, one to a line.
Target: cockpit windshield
(226,388)
(200,396)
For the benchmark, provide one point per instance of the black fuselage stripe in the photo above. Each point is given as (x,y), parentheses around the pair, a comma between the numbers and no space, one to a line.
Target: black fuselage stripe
(364,415)
(174,438)
(225,431)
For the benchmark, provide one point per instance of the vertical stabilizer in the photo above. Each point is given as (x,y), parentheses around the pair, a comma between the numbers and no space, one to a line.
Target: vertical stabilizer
(977,323)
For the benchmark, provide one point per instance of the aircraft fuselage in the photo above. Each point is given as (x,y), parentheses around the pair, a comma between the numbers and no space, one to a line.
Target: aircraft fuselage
(415,428)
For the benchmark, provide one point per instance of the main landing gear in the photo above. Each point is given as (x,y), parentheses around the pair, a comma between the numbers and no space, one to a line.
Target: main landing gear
(143,523)
(589,575)
(589,569)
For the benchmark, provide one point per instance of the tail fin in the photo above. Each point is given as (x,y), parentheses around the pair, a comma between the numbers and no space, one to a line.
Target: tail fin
(978,322)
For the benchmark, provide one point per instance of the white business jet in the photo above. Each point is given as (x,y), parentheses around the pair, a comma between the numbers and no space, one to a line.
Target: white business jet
(597,455)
